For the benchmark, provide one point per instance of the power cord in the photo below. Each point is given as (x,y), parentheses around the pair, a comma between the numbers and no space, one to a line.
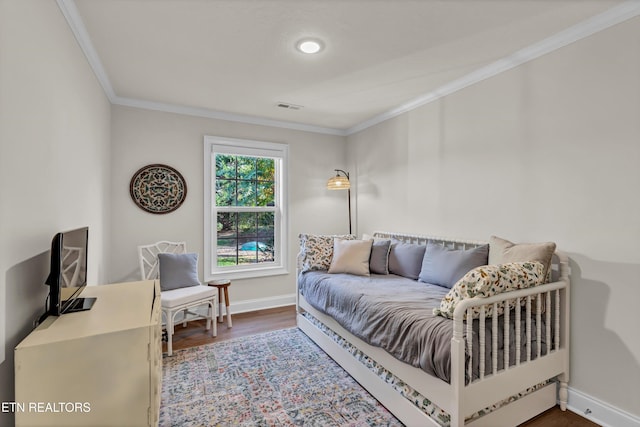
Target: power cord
(44,315)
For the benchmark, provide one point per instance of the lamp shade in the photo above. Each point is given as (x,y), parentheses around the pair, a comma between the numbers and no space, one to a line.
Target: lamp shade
(338,183)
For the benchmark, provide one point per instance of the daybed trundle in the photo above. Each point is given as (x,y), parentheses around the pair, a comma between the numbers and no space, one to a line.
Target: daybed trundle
(514,366)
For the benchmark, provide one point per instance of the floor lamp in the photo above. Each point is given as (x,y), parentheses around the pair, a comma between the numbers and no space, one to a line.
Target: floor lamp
(341,182)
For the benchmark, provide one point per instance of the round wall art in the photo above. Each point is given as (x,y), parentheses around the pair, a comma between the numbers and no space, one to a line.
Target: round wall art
(158,189)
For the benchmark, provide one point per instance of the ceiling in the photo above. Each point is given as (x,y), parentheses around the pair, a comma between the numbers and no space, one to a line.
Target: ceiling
(236,59)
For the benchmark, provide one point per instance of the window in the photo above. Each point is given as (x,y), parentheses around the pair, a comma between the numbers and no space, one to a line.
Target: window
(245,208)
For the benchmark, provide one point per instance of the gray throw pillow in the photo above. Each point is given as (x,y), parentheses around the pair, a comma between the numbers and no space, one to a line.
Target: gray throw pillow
(178,271)
(444,266)
(379,259)
(405,259)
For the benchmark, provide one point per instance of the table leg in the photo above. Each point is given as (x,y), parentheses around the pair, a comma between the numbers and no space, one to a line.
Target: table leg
(220,307)
(226,303)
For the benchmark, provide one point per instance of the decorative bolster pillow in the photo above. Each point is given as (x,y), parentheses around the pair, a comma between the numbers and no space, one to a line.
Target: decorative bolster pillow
(489,280)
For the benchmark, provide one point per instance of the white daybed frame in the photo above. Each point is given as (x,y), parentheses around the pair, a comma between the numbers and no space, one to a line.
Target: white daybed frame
(458,399)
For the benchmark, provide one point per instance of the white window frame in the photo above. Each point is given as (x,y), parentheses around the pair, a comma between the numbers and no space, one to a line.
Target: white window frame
(220,145)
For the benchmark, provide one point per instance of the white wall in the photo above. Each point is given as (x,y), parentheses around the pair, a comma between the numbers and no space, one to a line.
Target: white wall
(54,163)
(142,137)
(547,151)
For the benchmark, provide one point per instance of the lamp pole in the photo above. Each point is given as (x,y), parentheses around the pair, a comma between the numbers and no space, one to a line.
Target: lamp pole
(338,171)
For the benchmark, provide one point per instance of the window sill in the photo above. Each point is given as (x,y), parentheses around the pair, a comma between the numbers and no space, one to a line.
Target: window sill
(247,274)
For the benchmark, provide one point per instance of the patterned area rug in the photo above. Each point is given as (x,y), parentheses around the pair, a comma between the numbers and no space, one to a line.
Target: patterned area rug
(278,378)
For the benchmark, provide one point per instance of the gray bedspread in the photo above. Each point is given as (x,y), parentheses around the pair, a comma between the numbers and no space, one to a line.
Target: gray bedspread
(396,314)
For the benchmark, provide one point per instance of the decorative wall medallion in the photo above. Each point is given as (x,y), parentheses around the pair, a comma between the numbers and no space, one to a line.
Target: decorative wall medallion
(158,189)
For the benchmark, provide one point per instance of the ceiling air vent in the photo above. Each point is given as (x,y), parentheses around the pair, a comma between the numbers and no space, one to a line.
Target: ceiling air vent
(288,106)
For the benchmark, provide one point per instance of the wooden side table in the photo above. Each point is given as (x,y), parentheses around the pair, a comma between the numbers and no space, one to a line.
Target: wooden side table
(223,285)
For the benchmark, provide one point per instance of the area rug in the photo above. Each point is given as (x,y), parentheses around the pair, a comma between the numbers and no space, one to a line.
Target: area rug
(279,378)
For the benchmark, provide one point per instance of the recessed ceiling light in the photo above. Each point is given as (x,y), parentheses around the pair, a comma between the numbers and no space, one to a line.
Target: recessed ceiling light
(309,46)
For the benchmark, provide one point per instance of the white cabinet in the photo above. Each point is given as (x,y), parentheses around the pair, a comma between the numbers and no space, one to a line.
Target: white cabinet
(97,367)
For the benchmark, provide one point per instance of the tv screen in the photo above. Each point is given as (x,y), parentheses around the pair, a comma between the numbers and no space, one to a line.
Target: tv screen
(68,274)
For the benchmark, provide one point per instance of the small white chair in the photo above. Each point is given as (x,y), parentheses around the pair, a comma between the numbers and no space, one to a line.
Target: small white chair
(180,300)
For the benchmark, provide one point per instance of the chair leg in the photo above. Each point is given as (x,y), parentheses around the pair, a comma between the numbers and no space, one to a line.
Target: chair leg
(169,333)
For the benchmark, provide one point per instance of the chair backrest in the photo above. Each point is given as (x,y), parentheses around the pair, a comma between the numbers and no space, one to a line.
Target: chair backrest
(71,264)
(148,257)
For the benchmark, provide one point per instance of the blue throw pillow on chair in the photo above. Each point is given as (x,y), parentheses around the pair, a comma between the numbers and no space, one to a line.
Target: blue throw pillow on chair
(178,271)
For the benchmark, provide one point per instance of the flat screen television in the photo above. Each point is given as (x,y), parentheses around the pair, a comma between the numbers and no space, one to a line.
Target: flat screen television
(68,273)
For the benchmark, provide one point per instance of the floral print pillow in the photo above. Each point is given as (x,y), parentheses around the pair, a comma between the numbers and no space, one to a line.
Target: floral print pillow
(316,251)
(489,280)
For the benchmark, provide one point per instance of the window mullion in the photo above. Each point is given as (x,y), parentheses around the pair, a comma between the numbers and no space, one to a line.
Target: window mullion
(256,209)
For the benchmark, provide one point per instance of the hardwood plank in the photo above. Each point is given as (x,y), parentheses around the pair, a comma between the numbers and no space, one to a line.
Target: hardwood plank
(246,324)
(555,417)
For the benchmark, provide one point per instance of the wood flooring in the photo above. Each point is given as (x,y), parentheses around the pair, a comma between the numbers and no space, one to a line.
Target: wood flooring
(256,322)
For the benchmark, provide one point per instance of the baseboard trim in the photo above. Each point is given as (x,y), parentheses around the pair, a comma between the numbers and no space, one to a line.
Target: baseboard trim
(254,304)
(262,303)
(599,412)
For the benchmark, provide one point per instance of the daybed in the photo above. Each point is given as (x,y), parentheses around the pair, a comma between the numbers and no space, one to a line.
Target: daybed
(510,363)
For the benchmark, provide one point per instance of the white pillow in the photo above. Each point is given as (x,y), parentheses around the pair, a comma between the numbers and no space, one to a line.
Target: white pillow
(351,256)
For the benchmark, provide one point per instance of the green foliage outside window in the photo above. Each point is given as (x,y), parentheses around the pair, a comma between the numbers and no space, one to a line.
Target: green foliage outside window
(245,237)
(244,181)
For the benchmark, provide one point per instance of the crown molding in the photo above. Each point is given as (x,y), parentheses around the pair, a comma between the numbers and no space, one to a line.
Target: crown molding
(607,19)
(71,14)
(221,115)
